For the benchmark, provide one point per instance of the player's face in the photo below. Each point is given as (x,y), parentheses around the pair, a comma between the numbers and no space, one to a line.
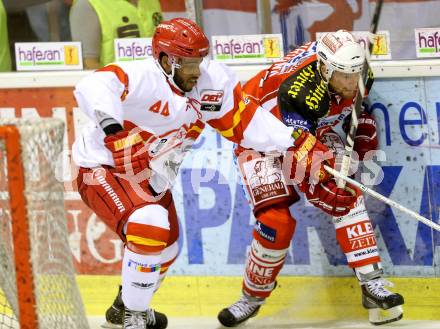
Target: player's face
(344,84)
(188,73)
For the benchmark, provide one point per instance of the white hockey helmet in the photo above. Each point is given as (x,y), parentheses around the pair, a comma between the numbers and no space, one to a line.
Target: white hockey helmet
(339,51)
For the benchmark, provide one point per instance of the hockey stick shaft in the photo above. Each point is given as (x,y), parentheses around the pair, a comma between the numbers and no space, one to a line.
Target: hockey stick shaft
(384,199)
(346,159)
(375,20)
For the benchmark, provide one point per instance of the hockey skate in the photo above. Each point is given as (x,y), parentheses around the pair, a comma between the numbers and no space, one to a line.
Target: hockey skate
(143,320)
(246,307)
(115,316)
(383,305)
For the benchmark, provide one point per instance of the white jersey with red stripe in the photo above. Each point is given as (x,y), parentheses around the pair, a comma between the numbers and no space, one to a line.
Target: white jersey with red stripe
(138,96)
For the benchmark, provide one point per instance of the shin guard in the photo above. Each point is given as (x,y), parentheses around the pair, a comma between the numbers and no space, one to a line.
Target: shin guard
(262,268)
(356,237)
(140,274)
(273,232)
(169,255)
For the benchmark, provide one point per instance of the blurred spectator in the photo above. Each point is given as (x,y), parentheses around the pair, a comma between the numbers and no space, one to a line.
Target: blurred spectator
(36,21)
(5,56)
(20,29)
(13,6)
(96,23)
(49,20)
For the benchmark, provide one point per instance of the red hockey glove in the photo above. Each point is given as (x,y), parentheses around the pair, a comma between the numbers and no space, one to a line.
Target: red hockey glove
(309,155)
(331,199)
(366,137)
(129,153)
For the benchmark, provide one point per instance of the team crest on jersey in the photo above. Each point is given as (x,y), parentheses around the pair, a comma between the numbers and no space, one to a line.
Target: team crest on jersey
(211,100)
(265,179)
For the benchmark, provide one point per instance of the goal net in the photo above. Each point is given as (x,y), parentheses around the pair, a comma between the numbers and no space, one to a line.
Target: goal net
(37,278)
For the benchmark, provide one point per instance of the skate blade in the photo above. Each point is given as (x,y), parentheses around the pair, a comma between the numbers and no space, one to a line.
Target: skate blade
(109,325)
(378,316)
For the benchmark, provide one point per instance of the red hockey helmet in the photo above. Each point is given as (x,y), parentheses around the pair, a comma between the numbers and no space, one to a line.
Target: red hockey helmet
(179,37)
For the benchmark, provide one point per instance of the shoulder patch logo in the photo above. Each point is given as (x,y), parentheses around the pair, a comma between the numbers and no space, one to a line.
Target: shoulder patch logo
(211,100)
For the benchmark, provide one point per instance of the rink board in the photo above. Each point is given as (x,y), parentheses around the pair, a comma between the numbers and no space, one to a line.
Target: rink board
(299,298)
(216,222)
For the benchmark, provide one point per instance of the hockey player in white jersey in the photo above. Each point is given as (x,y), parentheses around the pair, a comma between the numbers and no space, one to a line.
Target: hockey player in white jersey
(144,117)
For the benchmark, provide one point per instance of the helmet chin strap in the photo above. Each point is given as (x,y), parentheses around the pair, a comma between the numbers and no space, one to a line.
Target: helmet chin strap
(170,76)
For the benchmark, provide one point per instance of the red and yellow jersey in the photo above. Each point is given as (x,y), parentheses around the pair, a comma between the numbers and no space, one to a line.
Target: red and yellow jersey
(264,86)
(294,91)
(138,95)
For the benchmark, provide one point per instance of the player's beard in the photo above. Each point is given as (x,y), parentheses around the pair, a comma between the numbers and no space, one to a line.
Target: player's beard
(348,94)
(184,85)
(343,92)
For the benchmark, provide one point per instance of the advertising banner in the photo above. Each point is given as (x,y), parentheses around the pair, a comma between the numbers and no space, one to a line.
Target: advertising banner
(48,56)
(427,42)
(130,49)
(215,219)
(255,48)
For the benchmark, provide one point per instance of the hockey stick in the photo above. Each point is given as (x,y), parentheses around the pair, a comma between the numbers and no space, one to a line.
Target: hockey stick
(346,159)
(384,199)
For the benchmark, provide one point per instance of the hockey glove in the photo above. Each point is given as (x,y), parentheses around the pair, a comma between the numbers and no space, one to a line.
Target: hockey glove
(331,199)
(366,137)
(129,153)
(308,157)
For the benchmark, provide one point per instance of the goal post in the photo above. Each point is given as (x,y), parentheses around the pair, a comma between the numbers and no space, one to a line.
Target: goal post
(37,278)
(24,289)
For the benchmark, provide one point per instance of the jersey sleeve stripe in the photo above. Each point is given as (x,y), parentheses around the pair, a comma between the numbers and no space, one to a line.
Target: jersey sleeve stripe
(120,74)
(145,241)
(195,129)
(166,265)
(233,123)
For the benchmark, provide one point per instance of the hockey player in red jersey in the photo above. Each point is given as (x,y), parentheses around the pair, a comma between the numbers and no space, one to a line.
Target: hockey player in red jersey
(313,88)
(144,118)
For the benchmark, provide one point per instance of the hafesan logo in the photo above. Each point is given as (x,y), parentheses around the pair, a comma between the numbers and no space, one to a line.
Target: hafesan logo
(272,48)
(46,56)
(131,49)
(247,48)
(427,42)
(71,55)
(380,46)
